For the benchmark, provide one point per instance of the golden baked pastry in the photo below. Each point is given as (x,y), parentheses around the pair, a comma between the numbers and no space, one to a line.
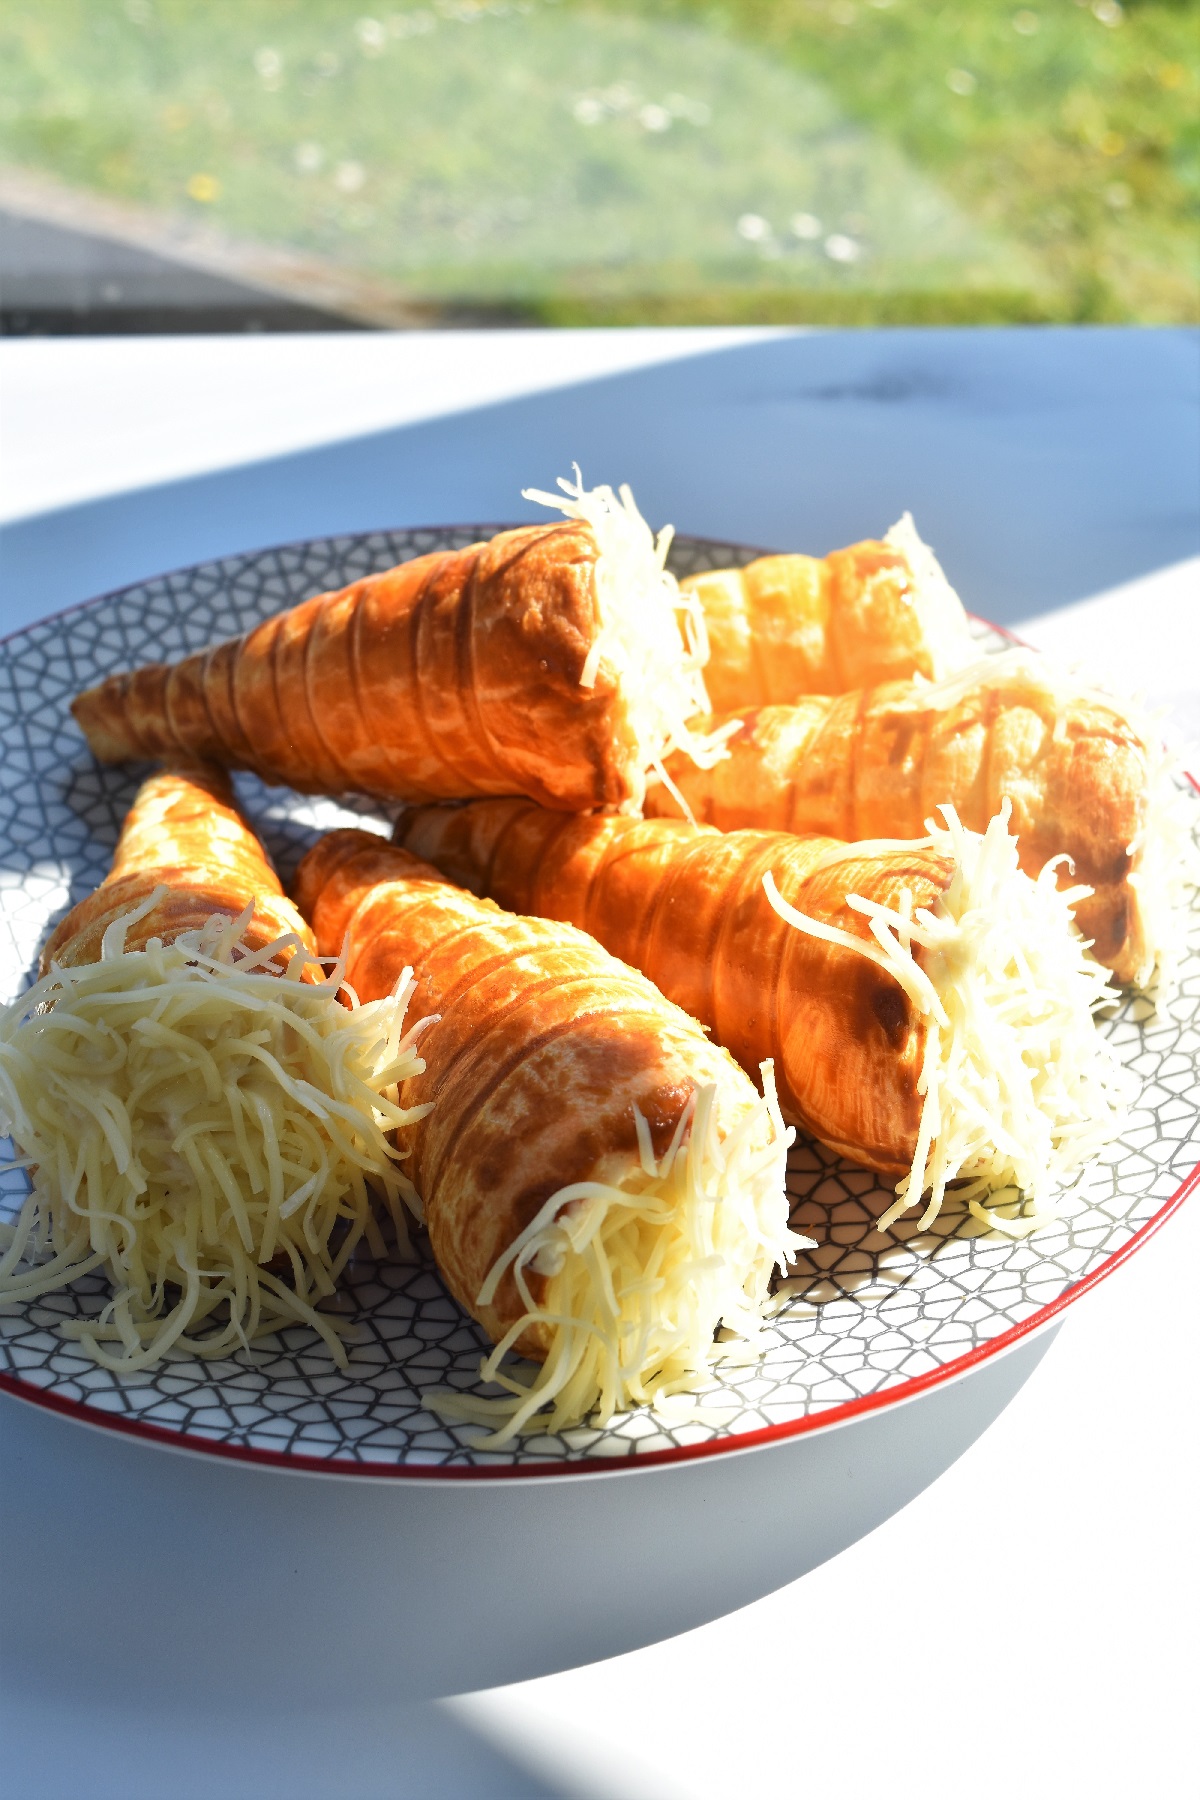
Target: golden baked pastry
(788,625)
(183,834)
(602,1184)
(204,1119)
(550,661)
(1084,782)
(927,1007)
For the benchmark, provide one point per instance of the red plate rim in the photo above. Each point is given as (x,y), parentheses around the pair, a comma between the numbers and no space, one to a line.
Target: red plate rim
(841,1414)
(614,1465)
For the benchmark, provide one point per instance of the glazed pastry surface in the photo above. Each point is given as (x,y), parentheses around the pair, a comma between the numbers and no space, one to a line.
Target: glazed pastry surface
(452,675)
(788,625)
(543,1047)
(877,764)
(185,833)
(687,907)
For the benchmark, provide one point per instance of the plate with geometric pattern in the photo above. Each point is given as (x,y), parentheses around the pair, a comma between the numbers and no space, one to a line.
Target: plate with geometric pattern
(870,1319)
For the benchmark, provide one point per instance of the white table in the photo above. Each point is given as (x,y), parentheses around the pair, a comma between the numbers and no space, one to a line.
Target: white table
(1028,1624)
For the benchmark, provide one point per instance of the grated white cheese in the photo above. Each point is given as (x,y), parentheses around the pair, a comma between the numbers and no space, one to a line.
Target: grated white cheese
(1164,869)
(941,612)
(646,1269)
(1164,863)
(652,635)
(1019,1089)
(204,1127)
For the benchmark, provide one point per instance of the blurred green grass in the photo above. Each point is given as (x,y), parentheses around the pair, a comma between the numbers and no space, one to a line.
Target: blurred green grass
(775,160)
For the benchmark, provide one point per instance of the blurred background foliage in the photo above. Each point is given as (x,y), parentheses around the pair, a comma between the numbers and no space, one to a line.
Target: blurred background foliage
(587,161)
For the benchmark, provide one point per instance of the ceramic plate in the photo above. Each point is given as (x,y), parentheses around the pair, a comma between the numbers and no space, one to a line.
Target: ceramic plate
(872,1319)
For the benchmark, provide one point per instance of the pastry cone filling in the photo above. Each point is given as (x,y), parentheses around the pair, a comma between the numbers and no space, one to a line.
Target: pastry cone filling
(205,1128)
(1018,1088)
(943,621)
(652,638)
(1163,863)
(655,1274)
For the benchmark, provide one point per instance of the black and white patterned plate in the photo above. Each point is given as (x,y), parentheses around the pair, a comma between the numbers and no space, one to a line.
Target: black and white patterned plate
(872,1318)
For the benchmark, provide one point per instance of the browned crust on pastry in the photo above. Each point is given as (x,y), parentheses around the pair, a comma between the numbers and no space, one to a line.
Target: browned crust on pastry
(687,907)
(789,625)
(452,675)
(543,1047)
(878,764)
(183,832)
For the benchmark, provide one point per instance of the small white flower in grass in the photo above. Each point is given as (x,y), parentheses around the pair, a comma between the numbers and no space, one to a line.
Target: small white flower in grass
(842,249)
(309,158)
(654,118)
(587,110)
(753,227)
(349,177)
(806,226)
(372,36)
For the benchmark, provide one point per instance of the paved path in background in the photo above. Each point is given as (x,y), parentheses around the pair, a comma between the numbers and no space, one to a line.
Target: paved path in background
(55,278)
(74,261)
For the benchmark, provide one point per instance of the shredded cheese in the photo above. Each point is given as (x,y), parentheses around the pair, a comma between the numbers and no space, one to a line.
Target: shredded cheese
(941,612)
(652,638)
(1019,1089)
(205,1127)
(657,1272)
(1164,865)
(1164,869)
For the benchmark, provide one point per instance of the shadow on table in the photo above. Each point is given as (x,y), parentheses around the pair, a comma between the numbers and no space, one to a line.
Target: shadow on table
(56,1748)
(1043,464)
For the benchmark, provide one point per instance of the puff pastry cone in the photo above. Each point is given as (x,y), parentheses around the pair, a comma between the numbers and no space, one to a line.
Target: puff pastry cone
(1085,783)
(204,1121)
(547,661)
(789,625)
(185,846)
(602,1185)
(927,1008)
